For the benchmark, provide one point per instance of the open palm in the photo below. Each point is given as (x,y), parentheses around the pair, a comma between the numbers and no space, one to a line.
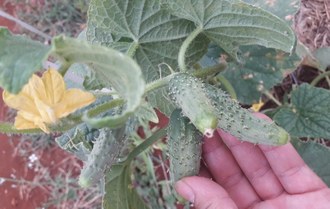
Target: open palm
(246,176)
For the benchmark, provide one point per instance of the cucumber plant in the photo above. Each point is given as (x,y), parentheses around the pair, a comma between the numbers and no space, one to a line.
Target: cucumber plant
(157,52)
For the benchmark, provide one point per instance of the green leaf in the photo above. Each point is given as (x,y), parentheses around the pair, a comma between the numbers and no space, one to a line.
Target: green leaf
(20,57)
(234,23)
(145,26)
(316,156)
(112,67)
(322,56)
(261,70)
(308,114)
(145,31)
(282,8)
(119,190)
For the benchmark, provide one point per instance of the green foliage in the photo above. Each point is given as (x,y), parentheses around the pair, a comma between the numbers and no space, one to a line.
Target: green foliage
(261,69)
(308,114)
(233,23)
(316,157)
(20,57)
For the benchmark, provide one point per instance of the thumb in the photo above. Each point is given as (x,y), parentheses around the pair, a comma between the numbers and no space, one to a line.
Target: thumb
(204,193)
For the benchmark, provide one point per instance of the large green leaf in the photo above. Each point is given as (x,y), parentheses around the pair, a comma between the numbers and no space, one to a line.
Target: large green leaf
(234,23)
(119,192)
(282,8)
(308,114)
(20,57)
(316,156)
(146,31)
(261,69)
(112,67)
(143,26)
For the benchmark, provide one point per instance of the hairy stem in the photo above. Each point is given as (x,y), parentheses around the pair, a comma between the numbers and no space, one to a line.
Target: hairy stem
(184,47)
(132,49)
(145,144)
(230,89)
(210,70)
(320,77)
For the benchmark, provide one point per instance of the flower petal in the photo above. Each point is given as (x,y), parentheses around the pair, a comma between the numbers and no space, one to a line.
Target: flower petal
(73,100)
(54,85)
(47,113)
(36,89)
(20,102)
(24,120)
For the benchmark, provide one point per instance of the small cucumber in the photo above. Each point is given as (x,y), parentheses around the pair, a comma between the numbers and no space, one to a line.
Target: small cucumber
(184,146)
(187,92)
(104,154)
(241,123)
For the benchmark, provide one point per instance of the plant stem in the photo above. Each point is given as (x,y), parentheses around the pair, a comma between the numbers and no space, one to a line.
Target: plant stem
(132,49)
(320,77)
(199,74)
(185,46)
(230,89)
(271,97)
(145,144)
(210,70)
(158,83)
(106,106)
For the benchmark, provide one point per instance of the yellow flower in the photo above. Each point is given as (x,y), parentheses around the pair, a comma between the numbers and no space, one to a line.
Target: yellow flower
(44,100)
(257,106)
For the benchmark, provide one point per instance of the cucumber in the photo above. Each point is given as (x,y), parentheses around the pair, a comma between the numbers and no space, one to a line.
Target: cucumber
(186,91)
(241,123)
(184,147)
(104,154)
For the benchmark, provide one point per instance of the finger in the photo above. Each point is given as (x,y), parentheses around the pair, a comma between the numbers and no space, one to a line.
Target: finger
(204,193)
(227,173)
(294,175)
(255,166)
(204,171)
(318,200)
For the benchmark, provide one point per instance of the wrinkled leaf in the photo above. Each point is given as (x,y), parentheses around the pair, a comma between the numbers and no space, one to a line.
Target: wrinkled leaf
(146,31)
(20,57)
(159,99)
(117,70)
(282,8)
(234,23)
(262,68)
(322,57)
(316,156)
(156,34)
(308,114)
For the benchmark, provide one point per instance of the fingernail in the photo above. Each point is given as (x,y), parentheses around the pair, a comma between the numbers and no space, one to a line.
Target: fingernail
(185,191)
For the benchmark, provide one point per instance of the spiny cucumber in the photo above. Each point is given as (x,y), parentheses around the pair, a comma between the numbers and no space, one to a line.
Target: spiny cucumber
(184,146)
(241,123)
(187,92)
(104,154)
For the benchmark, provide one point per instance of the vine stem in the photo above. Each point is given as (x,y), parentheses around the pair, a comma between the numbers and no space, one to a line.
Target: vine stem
(146,143)
(271,97)
(132,49)
(198,73)
(230,89)
(184,47)
(320,77)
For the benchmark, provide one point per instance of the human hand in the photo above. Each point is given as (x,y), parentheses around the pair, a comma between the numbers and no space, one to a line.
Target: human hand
(253,177)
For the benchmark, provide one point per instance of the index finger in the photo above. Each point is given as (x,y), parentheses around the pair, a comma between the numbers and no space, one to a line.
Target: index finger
(291,170)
